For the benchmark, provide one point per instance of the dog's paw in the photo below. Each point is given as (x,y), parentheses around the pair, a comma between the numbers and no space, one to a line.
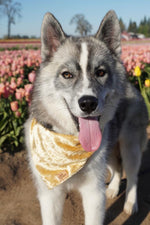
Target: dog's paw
(130,207)
(111,193)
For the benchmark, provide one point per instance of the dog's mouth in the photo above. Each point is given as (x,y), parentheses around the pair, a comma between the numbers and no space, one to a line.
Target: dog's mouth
(90,134)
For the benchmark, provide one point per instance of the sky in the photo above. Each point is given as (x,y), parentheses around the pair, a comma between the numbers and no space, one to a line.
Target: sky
(93,10)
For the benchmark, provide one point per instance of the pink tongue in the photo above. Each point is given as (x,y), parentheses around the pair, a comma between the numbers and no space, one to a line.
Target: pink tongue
(90,135)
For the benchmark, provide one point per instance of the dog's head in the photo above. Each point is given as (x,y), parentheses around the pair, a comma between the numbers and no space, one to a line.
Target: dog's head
(81,76)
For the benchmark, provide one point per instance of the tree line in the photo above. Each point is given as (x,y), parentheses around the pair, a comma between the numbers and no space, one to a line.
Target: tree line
(143,27)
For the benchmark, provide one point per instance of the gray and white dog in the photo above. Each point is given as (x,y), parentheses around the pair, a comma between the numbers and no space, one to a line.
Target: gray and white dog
(83,79)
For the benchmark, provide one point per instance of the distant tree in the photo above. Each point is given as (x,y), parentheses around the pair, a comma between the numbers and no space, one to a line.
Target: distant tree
(122,25)
(132,27)
(83,27)
(144,27)
(11,10)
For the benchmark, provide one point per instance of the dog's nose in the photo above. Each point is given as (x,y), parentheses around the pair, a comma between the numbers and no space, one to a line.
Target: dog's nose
(88,103)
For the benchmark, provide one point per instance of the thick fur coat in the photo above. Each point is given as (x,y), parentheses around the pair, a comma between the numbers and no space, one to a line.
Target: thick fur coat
(84,78)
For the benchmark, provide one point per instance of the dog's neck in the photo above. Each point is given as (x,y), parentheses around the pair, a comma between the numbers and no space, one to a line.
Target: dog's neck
(56,156)
(53,122)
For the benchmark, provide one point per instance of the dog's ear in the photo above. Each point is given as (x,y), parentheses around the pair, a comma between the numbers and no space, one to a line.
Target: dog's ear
(52,35)
(109,32)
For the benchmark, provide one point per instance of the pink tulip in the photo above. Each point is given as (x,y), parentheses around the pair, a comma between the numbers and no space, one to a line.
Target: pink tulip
(28,89)
(14,106)
(13,67)
(19,81)
(21,71)
(18,114)
(29,63)
(13,80)
(7,93)
(2,88)
(31,76)
(13,85)
(20,93)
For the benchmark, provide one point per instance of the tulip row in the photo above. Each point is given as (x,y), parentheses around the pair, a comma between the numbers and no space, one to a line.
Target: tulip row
(16,44)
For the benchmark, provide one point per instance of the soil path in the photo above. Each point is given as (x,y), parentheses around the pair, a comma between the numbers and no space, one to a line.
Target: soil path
(19,205)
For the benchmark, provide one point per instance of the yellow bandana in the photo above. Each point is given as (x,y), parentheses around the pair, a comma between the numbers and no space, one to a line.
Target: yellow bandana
(56,156)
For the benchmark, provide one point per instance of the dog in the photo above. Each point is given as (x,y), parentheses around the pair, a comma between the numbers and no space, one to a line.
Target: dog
(81,94)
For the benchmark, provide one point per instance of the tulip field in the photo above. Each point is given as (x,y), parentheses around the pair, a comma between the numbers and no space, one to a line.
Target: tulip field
(17,75)
(135,55)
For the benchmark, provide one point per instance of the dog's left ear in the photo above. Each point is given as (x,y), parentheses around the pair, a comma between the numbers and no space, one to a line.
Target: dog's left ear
(109,33)
(52,35)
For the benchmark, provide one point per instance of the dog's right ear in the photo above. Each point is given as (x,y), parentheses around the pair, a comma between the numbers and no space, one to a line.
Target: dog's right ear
(109,32)
(52,35)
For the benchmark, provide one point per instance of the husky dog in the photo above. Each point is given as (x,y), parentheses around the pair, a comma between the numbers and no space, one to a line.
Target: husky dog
(81,90)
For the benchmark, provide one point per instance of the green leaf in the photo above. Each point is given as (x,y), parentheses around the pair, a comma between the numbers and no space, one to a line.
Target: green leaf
(146,101)
(14,125)
(16,143)
(147,69)
(2,139)
(3,124)
(18,130)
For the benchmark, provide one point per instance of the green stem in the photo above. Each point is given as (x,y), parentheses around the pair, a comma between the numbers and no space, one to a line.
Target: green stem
(146,101)
(140,85)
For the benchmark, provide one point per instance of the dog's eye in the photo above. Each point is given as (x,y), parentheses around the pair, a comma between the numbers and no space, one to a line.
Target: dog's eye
(100,73)
(67,75)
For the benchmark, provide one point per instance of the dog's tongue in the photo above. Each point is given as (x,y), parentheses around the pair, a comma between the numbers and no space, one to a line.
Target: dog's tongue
(90,135)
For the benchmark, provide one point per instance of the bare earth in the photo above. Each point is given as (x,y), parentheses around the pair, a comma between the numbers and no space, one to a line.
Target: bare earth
(19,205)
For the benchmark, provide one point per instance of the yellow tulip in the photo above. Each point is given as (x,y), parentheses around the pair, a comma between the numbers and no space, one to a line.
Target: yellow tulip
(137,71)
(147,83)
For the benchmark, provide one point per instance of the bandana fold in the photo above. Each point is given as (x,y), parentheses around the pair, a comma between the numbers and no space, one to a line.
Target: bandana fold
(56,156)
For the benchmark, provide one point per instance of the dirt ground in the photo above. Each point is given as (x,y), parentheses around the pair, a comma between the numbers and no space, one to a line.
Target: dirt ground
(19,205)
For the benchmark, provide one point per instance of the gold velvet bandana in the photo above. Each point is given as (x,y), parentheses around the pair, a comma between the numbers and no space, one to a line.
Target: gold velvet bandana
(57,157)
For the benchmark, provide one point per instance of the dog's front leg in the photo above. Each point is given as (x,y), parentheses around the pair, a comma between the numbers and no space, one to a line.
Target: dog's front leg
(51,202)
(93,197)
